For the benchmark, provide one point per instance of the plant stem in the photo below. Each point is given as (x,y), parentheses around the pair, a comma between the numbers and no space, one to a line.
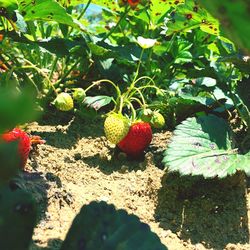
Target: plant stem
(133,111)
(80,16)
(32,66)
(145,77)
(118,23)
(138,68)
(53,67)
(68,71)
(107,81)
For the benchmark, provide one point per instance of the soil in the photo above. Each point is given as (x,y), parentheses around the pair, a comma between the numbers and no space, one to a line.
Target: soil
(77,165)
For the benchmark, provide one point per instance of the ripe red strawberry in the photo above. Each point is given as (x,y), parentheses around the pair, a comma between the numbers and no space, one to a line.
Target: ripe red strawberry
(137,139)
(133,3)
(24,144)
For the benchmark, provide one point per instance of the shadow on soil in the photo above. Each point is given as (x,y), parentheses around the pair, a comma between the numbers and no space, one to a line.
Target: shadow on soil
(211,212)
(35,184)
(114,160)
(69,129)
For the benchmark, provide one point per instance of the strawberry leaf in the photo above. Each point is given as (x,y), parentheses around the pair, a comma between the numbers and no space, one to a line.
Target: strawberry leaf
(101,226)
(97,102)
(18,217)
(46,10)
(190,16)
(202,146)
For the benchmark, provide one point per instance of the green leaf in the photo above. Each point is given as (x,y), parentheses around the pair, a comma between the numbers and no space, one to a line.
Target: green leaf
(159,8)
(234,17)
(206,81)
(17,219)
(9,165)
(100,226)
(8,8)
(202,146)
(47,10)
(98,50)
(15,108)
(111,5)
(9,4)
(97,102)
(190,16)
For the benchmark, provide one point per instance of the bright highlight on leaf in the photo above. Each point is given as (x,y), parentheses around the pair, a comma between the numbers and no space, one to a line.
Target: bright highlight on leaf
(146,43)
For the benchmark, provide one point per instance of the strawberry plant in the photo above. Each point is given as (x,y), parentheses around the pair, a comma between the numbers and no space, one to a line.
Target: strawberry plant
(89,230)
(130,132)
(164,64)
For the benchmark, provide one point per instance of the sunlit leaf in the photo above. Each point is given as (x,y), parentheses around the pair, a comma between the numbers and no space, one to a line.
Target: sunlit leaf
(97,102)
(190,16)
(48,10)
(202,146)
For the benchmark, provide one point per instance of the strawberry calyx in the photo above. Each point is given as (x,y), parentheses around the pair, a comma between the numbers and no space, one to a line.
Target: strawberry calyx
(36,139)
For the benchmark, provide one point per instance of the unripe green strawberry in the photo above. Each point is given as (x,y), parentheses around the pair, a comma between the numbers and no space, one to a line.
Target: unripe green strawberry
(146,115)
(116,127)
(79,94)
(157,120)
(64,102)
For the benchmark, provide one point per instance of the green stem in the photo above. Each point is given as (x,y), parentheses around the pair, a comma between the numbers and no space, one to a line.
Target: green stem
(102,81)
(53,67)
(133,111)
(3,24)
(138,100)
(171,42)
(137,90)
(144,77)
(68,71)
(120,104)
(32,29)
(118,23)
(138,68)
(20,74)
(148,86)
(32,66)
(42,29)
(84,10)
(80,16)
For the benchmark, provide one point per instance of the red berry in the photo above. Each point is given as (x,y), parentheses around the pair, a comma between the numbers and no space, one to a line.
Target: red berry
(137,139)
(24,144)
(133,3)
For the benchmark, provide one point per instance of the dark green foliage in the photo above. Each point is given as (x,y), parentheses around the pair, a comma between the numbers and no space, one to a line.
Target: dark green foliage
(235,17)
(97,226)
(101,226)
(17,219)
(12,103)
(9,165)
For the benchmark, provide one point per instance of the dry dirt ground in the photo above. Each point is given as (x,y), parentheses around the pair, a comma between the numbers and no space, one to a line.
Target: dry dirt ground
(77,165)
